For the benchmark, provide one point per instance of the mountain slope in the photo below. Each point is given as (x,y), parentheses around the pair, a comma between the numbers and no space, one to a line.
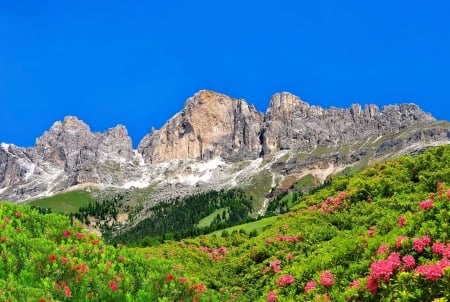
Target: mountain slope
(379,235)
(218,142)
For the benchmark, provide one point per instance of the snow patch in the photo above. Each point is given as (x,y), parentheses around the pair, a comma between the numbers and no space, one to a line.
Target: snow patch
(5,146)
(201,172)
(3,190)
(139,157)
(29,167)
(135,184)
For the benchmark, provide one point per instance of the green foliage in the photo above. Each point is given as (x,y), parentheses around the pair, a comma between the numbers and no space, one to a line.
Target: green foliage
(380,235)
(188,216)
(44,258)
(65,202)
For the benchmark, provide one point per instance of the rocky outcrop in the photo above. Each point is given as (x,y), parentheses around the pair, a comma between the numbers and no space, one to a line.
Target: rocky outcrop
(66,155)
(215,126)
(210,125)
(291,123)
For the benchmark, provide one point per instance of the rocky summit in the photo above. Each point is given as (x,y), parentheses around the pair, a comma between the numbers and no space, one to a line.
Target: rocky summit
(217,141)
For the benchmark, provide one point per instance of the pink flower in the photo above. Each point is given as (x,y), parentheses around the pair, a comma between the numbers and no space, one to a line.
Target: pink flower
(408,262)
(420,243)
(182,279)
(275,265)
(382,249)
(382,270)
(399,241)
(372,284)
(19,214)
(438,248)
(67,291)
(429,271)
(271,296)
(426,204)
(310,286)
(372,231)
(285,280)
(326,279)
(52,258)
(354,284)
(169,278)
(66,234)
(401,221)
(290,256)
(113,286)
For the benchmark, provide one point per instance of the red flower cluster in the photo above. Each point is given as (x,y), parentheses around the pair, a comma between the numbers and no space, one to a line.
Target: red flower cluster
(382,270)
(287,238)
(67,234)
(330,204)
(310,286)
(399,241)
(433,271)
(113,286)
(401,221)
(383,249)
(441,249)
(426,204)
(271,296)
(169,278)
(408,262)
(355,284)
(372,231)
(326,279)
(420,243)
(218,253)
(285,280)
(275,265)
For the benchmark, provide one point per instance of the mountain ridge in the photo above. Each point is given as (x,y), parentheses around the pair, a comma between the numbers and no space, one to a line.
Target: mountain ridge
(214,126)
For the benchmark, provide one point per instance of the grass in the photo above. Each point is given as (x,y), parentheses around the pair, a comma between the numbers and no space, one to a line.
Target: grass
(206,221)
(308,181)
(65,202)
(258,226)
(259,186)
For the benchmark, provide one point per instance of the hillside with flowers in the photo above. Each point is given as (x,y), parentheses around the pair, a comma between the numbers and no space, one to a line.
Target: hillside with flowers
(379,235)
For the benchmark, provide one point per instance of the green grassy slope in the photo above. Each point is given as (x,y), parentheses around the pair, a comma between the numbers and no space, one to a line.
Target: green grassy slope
(379,235)
(68,202)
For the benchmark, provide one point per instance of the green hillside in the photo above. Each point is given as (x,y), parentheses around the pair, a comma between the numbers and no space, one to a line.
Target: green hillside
(68,202)
(379,235)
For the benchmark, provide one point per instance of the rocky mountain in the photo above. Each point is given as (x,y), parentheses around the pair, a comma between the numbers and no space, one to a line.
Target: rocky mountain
(216,141)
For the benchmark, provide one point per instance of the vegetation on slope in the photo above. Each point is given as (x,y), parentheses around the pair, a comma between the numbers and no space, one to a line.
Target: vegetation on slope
(65,202)
(186,216)
(379,235)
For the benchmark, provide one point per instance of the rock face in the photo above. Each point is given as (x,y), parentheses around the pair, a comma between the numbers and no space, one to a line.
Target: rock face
(66,155)
(209,125)
(290,123)
(213,126)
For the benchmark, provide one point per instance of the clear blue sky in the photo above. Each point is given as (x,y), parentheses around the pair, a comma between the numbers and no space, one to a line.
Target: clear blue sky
(136,62)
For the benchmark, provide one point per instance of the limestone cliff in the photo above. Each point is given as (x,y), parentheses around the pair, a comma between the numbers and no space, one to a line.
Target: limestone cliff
(210,125)
(291,123)
(203,146)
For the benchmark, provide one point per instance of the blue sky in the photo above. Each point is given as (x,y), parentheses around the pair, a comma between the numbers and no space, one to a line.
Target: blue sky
(136,62)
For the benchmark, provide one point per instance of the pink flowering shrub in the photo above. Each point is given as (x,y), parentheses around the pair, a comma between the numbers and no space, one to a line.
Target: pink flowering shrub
(285,280)
(420,243)
(310,285)
(271,296)
(426,205)
(326,279)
